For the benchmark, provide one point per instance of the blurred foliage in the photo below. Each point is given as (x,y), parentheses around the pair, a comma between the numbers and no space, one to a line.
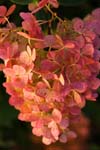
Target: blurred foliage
(7,114)
(62,2)
(23,2)
(72,2)
(14,133)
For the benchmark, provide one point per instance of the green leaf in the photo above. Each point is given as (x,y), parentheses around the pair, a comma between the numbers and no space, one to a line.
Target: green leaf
(72,2)
(23,2)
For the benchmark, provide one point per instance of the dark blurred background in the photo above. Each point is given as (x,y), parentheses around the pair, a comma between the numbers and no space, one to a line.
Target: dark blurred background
(16,135)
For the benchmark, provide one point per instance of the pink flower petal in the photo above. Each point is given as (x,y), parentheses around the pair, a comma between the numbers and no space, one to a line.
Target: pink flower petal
(63,138)
(57,116)
(40,5)
(37,131)
(54,3)
(88,50)
(80,87)
(10,10)
(46,141)
(64,123)
(55,132)
(71,134)
(3,11)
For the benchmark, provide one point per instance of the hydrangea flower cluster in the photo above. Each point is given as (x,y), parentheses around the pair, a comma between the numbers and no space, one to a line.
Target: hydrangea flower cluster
(49,77)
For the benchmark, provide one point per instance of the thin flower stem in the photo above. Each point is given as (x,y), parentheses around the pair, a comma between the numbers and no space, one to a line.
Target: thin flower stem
(8,22)
(53,13)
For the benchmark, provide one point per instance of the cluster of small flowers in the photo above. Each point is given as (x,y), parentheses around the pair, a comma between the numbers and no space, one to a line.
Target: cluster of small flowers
(50,77)
(80,143)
